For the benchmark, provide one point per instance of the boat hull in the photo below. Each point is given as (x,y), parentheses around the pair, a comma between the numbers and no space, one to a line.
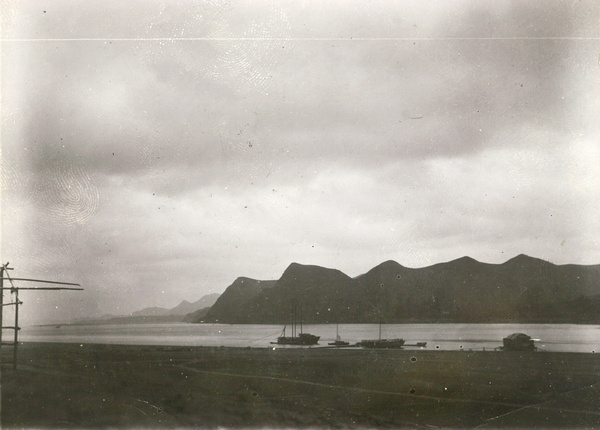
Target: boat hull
(518,342)
(382,343)
(302,339)
(339,343)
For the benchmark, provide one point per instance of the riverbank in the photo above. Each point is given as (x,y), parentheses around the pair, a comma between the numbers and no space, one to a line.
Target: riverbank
(119,386)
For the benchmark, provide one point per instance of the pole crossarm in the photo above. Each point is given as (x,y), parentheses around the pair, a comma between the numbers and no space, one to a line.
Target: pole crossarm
(10,278)
(41,288)
(15,290)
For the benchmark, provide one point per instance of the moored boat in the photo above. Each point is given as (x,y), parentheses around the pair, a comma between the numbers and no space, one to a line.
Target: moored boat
(381,343)
(518,342)
(301,339)
(338,340)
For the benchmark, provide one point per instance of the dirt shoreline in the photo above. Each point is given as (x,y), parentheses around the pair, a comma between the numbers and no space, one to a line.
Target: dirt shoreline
(122,386)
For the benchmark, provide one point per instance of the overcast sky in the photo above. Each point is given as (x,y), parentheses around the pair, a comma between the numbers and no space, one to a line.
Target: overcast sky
(155,151)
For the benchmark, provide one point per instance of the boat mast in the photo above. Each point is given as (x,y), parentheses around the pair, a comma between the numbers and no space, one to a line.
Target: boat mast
(293,319)
(300,318)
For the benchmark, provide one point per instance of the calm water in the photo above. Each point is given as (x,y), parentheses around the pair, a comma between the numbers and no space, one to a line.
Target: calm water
(552,337)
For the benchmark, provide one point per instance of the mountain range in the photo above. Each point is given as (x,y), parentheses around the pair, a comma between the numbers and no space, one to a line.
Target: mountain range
(184,311)
(181,309)
(521,290)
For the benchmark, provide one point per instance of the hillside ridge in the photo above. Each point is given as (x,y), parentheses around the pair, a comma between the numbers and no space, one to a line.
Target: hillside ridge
(522,289)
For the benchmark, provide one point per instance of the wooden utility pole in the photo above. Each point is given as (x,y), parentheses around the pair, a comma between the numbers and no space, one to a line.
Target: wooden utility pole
(3,268)
(1,305)
(17,328)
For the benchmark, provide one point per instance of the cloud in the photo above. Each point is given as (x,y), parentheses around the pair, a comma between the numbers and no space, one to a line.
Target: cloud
(186,145)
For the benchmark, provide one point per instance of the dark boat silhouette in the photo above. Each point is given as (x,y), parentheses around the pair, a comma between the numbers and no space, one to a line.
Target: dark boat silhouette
(518,342)
(381,343)
(300,339)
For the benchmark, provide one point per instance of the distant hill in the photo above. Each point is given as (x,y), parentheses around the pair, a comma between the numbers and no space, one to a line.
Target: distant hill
(230,307)
(154,311)
(126,319)
(181,309)
(195,316)
(523,289)
(157,314)
(144,319)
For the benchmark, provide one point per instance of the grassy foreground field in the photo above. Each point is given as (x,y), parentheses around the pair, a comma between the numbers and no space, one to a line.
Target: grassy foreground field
(115,386)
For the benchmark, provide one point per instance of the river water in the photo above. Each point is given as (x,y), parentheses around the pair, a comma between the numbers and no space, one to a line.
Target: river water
(549,337)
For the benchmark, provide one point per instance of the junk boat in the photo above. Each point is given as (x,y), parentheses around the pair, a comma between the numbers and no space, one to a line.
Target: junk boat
(381,343)
(301,339)
(338,340)
(518,342)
